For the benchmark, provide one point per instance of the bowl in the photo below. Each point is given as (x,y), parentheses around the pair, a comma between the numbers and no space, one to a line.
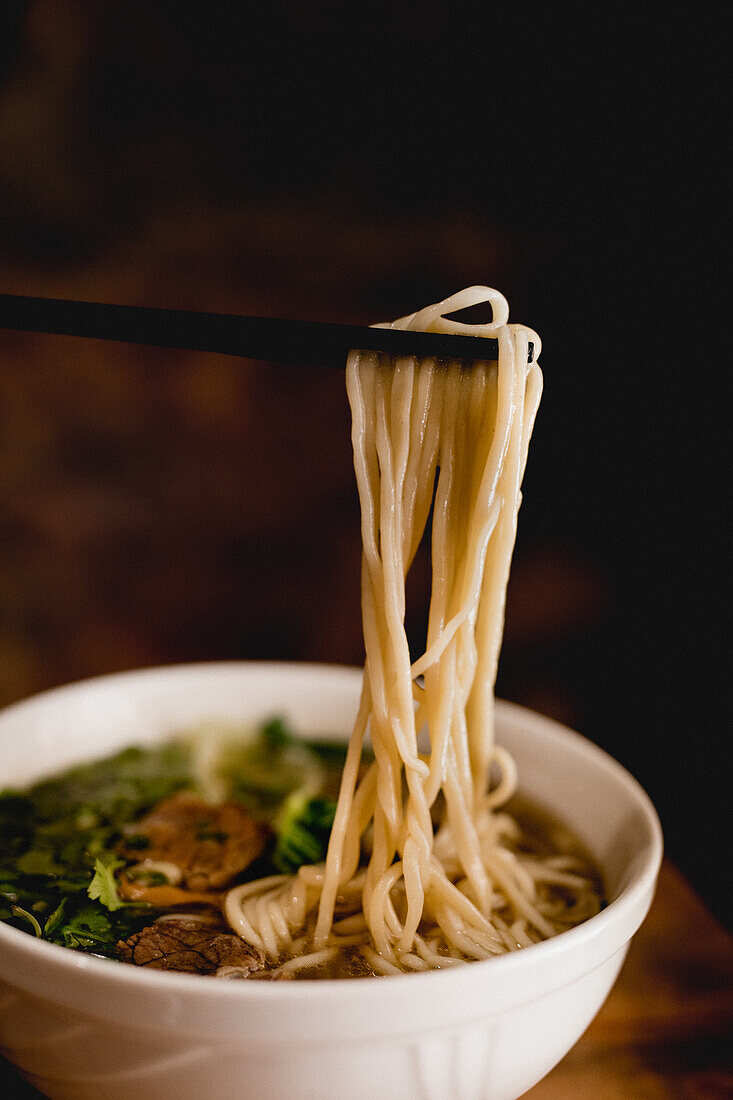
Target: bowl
(81,1028)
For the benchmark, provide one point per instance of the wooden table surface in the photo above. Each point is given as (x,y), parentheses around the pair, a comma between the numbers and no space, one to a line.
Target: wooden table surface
(666,1031)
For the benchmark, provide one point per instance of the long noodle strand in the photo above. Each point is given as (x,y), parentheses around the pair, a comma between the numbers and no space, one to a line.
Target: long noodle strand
(451,438)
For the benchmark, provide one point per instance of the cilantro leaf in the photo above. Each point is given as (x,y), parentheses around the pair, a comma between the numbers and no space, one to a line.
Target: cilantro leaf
(88,926)
(103,885)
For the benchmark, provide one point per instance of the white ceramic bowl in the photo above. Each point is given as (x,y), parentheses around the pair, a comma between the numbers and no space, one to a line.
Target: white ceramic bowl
(79,1027)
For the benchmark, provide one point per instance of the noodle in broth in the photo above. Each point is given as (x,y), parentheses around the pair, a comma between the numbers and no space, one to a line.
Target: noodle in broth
(448,879)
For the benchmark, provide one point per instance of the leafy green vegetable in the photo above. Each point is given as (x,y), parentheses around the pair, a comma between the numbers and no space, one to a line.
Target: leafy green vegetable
(263,771)
(276,733)
(54,920)
(260,777)
(87,928)
(303,828)
(25,915)
(38,861)
(58,862)
(116,789)
(103,885)
(57,845)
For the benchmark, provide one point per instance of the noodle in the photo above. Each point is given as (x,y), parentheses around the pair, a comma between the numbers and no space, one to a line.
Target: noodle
(454,437)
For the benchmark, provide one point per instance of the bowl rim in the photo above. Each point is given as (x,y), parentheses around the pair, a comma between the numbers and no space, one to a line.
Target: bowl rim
(570,951)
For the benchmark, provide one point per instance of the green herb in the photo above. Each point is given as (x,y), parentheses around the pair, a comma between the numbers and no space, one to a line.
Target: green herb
(303,829)
(118,788)
(87,928)
(104,885)
(54,920)
(276,733)
(262,772)
(25,915)
(38,861)
(57,843)
(148,878)
(58,839)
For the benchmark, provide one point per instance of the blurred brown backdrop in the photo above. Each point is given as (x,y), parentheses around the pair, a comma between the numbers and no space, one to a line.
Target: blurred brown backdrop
(326,163)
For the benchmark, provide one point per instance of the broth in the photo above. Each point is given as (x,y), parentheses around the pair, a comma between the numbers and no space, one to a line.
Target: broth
(83,852)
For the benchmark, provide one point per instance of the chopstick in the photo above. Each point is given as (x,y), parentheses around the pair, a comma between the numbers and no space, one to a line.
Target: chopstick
(268,338)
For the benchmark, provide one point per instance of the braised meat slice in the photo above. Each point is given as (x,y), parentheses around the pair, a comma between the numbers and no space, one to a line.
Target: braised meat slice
(210,845)
(190,945)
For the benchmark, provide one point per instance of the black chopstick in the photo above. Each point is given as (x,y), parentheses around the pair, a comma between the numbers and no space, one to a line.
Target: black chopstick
(268,338)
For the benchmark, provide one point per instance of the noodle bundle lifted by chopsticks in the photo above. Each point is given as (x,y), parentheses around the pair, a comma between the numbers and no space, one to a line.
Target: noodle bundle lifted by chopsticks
(445,880)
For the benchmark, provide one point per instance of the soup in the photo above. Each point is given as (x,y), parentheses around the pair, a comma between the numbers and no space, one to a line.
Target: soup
(127,857)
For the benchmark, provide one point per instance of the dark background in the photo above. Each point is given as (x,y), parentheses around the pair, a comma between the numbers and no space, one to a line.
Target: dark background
(345,162)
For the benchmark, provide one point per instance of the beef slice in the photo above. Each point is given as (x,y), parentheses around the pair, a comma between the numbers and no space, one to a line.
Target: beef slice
(210,844)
